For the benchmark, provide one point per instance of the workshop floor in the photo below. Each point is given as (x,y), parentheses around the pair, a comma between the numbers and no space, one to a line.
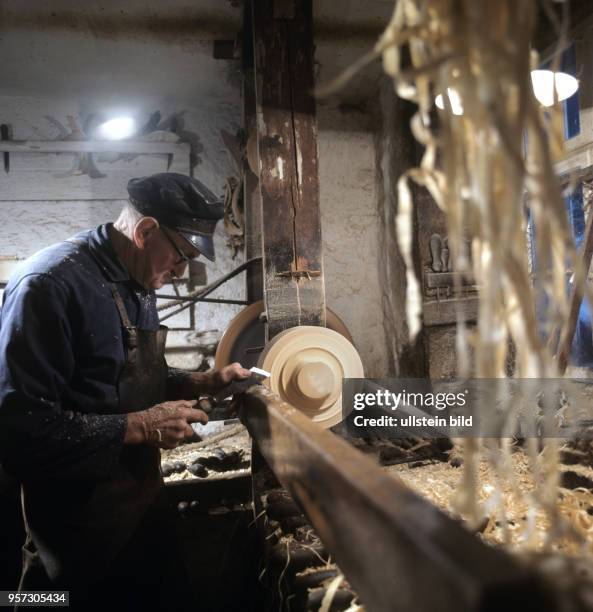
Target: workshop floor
(215,513)
(442,483)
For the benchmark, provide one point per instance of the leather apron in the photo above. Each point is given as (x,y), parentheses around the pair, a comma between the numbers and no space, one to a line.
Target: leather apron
(80,527)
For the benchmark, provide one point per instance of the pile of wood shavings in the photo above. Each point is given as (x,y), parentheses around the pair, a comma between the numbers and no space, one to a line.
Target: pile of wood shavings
(212,475)
(234,439)
(524,526)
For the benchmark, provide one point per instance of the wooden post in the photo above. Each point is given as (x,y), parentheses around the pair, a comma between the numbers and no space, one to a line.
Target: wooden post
(576,299)
(287,162)
(251,193)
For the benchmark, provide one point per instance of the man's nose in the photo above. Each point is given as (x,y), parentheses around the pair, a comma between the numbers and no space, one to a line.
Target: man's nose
(179,269)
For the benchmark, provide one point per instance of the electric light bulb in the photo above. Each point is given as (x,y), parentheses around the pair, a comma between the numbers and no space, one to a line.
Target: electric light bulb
(117,128)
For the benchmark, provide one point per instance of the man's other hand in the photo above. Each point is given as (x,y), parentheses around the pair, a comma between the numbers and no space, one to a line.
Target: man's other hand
(165,425)
(225,376)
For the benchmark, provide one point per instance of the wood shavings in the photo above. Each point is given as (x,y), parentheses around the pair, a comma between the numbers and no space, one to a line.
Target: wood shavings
(235,439)
(355,607)
(481,53)
(280,594)
(329,595)
(507,508)
(405,225)
(488,157)
(187,475)
(238,432)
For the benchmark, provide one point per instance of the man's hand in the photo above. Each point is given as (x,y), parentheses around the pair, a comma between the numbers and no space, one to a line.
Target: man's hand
(181,384)
(225,376)
(164,425)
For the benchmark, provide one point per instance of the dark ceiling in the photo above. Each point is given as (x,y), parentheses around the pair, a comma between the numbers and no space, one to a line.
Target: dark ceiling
(547,31)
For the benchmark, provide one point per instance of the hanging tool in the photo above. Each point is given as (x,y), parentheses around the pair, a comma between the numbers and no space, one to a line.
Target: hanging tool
(5,135)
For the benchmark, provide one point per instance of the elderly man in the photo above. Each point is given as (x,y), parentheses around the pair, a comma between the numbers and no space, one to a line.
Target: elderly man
(87,399)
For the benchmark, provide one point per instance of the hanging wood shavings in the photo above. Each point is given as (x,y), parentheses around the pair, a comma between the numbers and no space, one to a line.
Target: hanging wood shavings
(488,159)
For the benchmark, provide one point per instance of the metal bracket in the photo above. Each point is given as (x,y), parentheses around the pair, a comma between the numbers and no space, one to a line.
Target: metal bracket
(308,274)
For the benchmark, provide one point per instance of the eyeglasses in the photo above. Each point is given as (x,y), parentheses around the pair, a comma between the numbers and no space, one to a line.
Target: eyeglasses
(182,256)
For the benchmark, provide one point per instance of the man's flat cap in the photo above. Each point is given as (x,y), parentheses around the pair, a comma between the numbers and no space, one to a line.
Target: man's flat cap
(180,203)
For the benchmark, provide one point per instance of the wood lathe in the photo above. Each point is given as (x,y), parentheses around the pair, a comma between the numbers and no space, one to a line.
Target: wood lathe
(306,363)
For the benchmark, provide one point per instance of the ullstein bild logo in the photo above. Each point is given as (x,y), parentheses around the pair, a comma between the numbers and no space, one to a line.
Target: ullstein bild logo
(412,421)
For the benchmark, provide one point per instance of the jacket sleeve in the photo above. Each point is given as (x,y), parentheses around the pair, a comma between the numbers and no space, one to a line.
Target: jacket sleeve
(40,437)
(184,385)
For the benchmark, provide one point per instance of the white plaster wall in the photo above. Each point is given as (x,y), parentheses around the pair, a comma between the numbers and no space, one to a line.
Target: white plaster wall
(28,227)
(350,227)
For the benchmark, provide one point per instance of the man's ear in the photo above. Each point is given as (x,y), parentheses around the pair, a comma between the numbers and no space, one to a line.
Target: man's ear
(144,230)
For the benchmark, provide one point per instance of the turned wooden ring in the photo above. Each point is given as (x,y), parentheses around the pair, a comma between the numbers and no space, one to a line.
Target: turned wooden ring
(307,365)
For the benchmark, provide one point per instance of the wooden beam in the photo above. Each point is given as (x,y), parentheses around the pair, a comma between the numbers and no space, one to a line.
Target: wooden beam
(251,193)
(95,146)
(576,161)
(545,34)
(287,160)
(395,548)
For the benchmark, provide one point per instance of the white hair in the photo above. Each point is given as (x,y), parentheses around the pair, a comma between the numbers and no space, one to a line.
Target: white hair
(128,217)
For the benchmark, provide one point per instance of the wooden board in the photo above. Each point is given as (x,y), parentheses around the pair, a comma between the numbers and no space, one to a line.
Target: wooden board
(287,156)
(93,146)
(41,171)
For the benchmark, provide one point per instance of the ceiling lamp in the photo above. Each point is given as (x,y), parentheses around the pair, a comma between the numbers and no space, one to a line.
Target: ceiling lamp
(117,128)
(454,101)
(542,82)
(543,86)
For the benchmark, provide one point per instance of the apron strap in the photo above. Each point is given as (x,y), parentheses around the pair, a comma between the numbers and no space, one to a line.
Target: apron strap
(131,335)
(129,329)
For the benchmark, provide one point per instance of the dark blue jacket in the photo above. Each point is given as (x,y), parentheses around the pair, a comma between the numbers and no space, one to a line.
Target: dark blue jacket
(61,352)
